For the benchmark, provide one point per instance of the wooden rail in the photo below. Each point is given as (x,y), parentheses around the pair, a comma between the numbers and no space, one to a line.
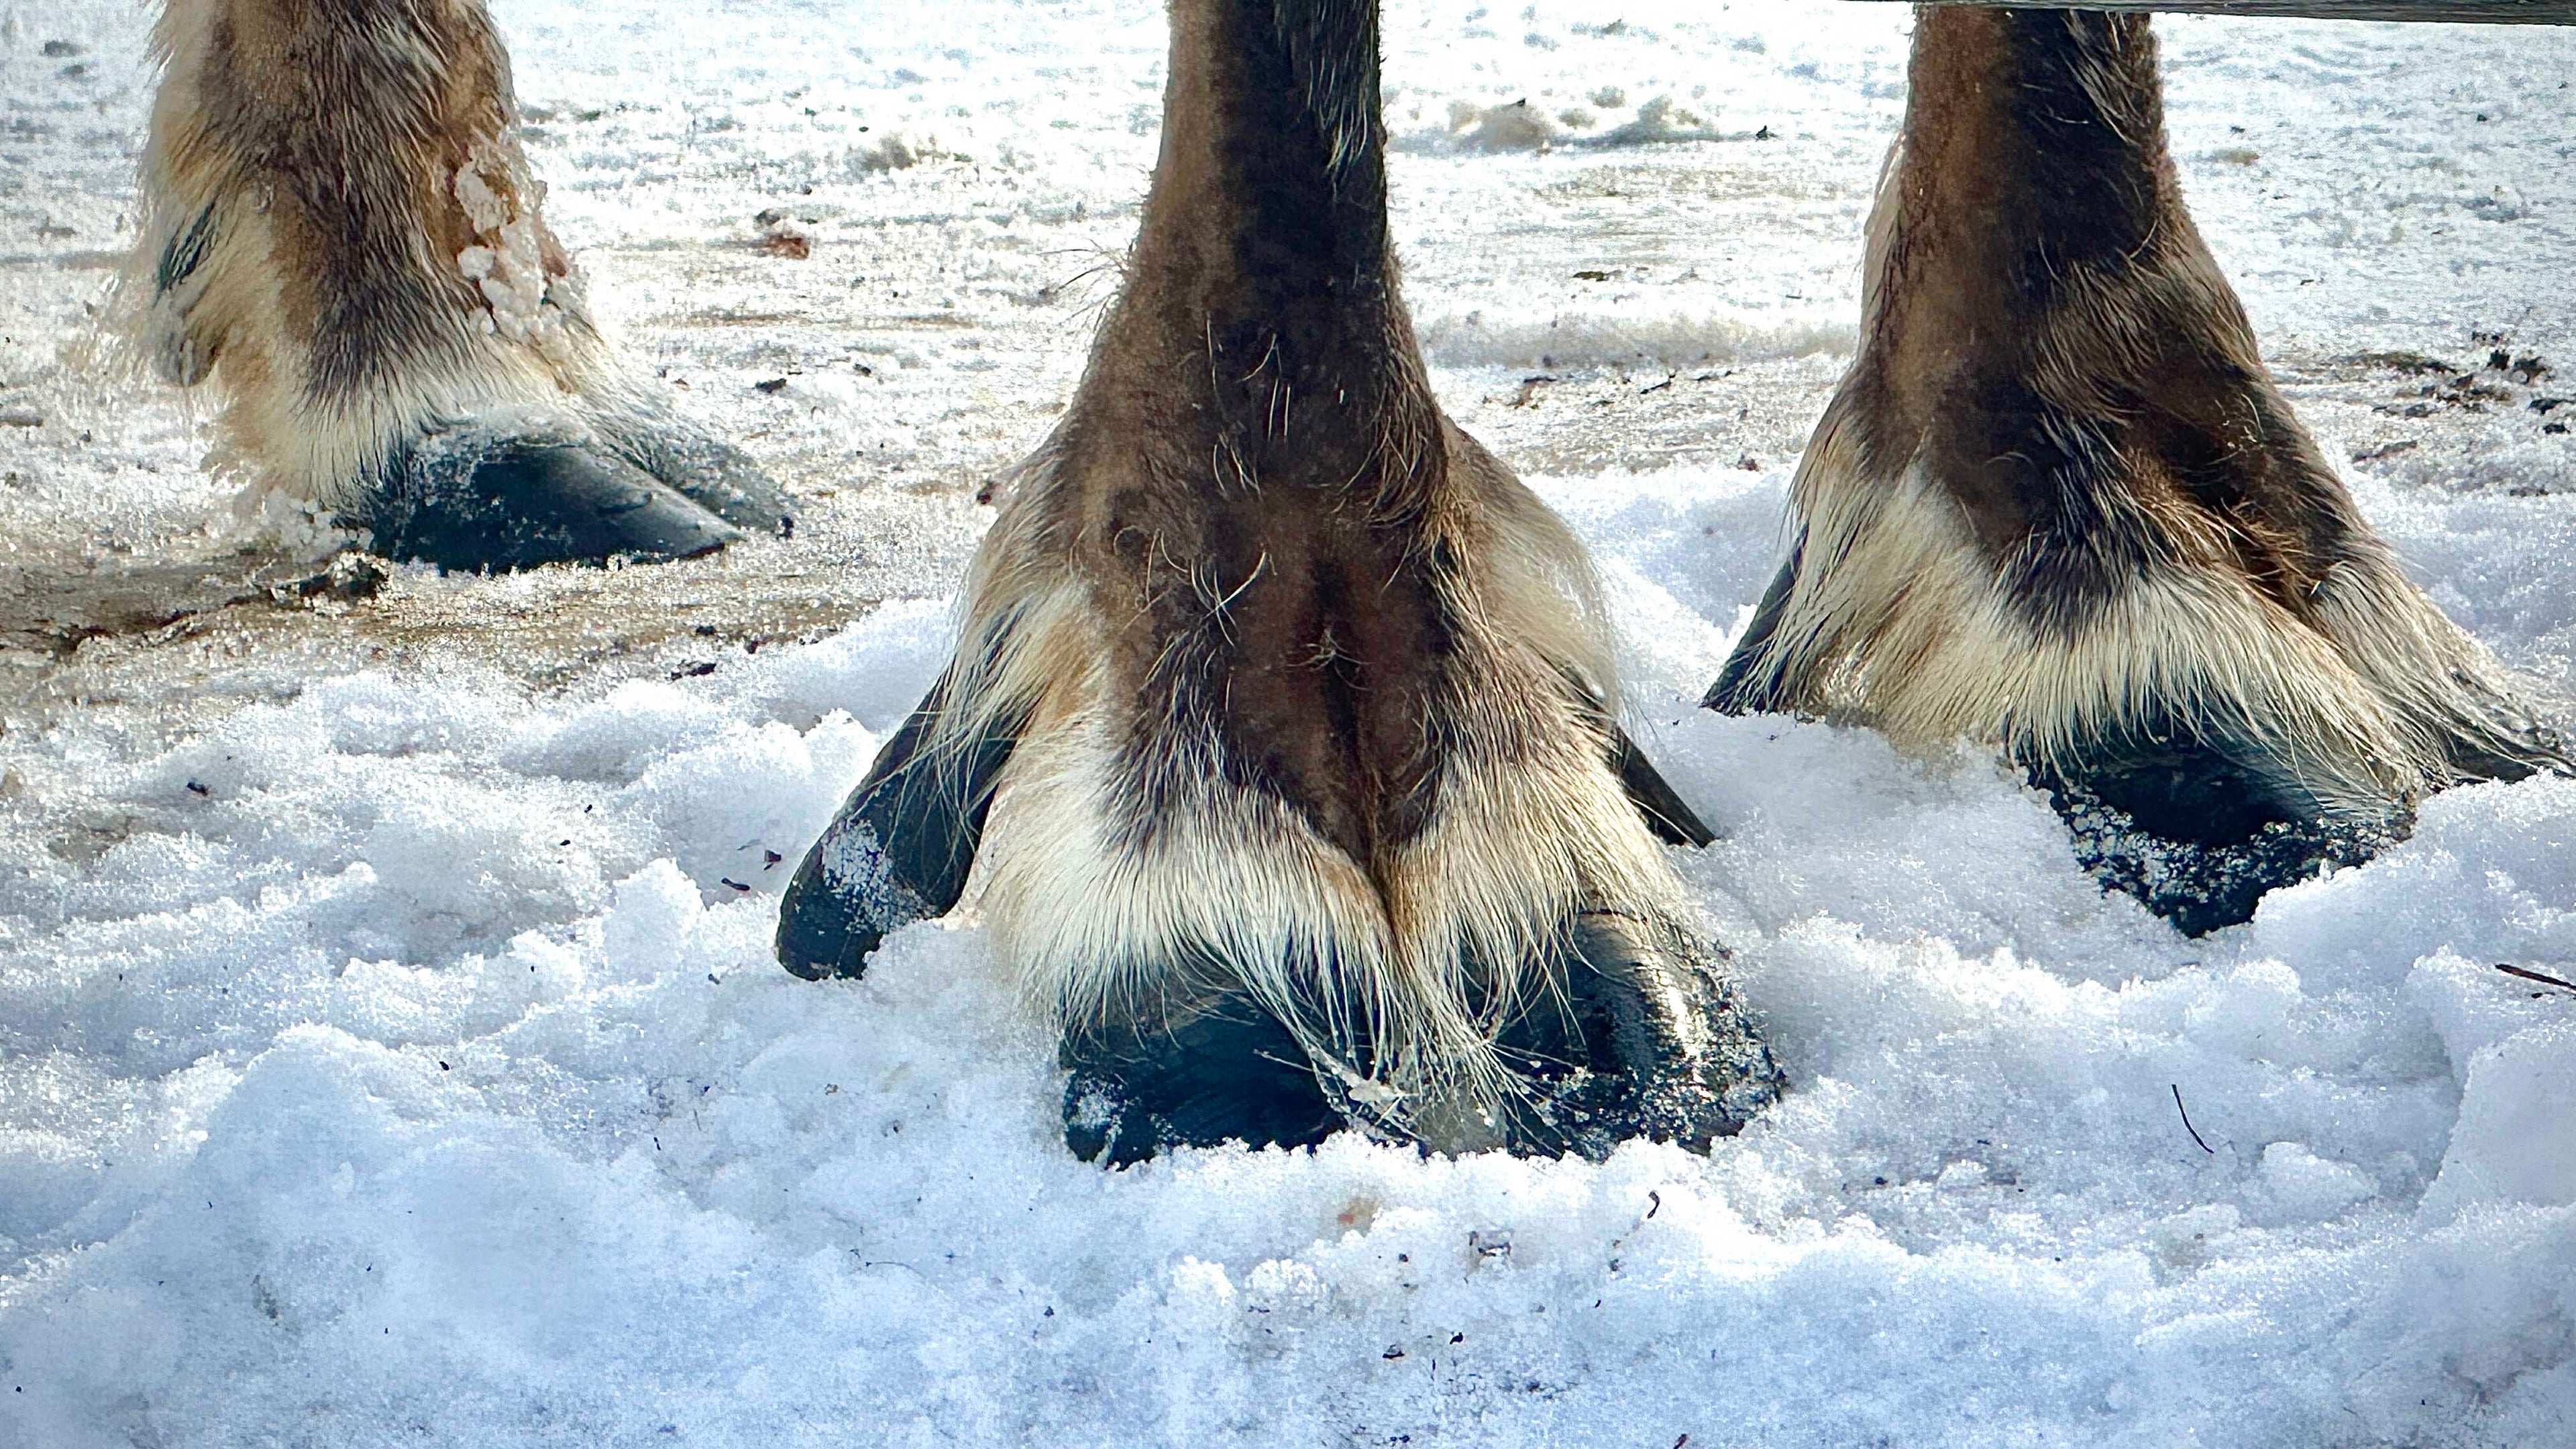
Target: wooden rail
(2477,12)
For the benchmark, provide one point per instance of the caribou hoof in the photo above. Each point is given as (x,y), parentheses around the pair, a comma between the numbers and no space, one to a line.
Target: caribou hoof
(1220,1070)
(1647,1042)
(706,470)
(476,499)
(2200,840)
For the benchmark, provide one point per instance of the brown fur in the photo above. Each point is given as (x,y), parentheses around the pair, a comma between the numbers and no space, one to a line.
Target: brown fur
(1980,296)
(1314,691)
(1278,526)
(2059,504)
(323,176)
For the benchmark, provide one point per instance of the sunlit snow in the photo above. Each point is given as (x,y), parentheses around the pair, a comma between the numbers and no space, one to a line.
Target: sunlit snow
(390,1050)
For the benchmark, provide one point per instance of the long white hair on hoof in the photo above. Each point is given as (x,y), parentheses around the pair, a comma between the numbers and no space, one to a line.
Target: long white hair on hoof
(1100,882)
(2057,500)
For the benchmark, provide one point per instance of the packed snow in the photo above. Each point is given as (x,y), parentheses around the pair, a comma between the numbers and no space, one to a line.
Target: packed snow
(390,1049)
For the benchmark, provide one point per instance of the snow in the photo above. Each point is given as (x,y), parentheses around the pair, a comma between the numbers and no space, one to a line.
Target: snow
(390,1049)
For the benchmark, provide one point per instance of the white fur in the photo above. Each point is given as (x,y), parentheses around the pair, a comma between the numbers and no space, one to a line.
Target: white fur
(1531,828)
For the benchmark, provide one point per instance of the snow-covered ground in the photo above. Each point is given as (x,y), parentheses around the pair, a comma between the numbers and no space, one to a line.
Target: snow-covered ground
(389,1046)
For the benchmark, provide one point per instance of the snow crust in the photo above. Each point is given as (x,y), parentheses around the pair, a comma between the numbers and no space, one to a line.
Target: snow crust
(393,1053)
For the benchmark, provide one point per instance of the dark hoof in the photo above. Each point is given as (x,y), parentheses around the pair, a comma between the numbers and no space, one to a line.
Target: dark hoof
(712,473)
(1222,1070)
(899,849)
(474,500)
(2198,835)
(1647,1043)
(843,900)
(2204,881)
(1644,1043)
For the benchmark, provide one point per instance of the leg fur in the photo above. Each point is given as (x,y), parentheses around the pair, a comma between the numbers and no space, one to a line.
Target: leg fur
(2059,505)
(342,231)
(1156,888)
(1319,814)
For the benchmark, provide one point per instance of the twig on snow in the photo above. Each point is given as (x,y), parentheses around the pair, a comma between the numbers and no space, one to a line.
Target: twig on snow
(2543,977)
(2186,1121)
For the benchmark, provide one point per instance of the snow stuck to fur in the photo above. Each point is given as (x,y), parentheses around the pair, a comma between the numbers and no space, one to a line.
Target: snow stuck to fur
(395,1057)
(508,267)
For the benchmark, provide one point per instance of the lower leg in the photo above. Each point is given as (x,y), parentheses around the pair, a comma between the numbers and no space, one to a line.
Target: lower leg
(344,234)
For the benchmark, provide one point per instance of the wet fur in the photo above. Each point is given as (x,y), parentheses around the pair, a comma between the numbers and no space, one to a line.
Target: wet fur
(2058,503)
(1313,710)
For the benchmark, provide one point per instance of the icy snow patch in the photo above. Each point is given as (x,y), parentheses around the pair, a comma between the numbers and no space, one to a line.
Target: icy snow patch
(1592,337)
(426,1077)
(1517,125)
